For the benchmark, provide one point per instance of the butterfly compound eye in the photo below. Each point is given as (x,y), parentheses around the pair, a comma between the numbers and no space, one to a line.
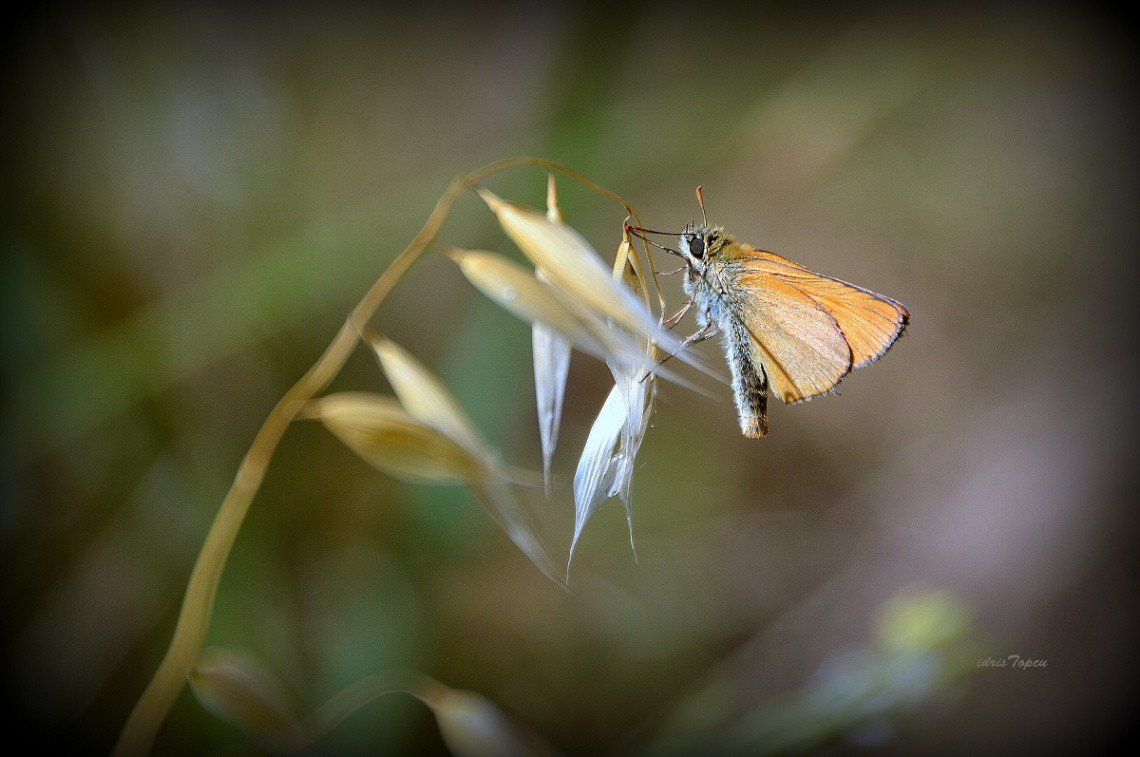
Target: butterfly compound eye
(697,247)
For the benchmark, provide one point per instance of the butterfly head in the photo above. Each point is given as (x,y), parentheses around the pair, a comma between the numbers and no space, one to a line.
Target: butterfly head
(699,243)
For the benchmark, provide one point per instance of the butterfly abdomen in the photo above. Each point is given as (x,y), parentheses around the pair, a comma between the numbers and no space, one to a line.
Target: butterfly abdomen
(749,383)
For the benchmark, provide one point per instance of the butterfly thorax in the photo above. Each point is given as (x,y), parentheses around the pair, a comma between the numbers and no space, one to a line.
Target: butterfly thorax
(705,249)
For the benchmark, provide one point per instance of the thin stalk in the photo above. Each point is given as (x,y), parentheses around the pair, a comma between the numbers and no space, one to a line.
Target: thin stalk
(193,622)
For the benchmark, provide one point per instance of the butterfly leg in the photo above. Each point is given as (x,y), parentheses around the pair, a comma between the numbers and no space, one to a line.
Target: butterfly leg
(707,332)
(700,336)
(672,320)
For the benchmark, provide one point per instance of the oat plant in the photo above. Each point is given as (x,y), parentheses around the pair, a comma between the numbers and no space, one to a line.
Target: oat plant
(574,300)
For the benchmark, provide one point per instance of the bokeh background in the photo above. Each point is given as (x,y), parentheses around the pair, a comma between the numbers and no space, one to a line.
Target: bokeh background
(198,193)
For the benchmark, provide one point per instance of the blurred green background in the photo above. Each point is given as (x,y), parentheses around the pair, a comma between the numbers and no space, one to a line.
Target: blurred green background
(197,195)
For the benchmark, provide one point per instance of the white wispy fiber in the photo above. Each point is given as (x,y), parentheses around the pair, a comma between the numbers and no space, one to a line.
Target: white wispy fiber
(605,468)
(551,353)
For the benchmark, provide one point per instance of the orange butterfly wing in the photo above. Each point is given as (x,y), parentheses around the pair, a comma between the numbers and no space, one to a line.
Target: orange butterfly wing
(810,330)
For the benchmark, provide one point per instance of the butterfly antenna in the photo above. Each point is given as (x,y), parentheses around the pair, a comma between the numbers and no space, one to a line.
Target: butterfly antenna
(639,230)
(640,233)
(701,201)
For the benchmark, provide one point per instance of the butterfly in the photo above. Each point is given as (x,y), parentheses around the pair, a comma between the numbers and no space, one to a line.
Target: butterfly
(782,325)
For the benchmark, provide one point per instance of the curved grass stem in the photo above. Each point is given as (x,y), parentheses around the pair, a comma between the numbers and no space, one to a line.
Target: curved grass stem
(193,622)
